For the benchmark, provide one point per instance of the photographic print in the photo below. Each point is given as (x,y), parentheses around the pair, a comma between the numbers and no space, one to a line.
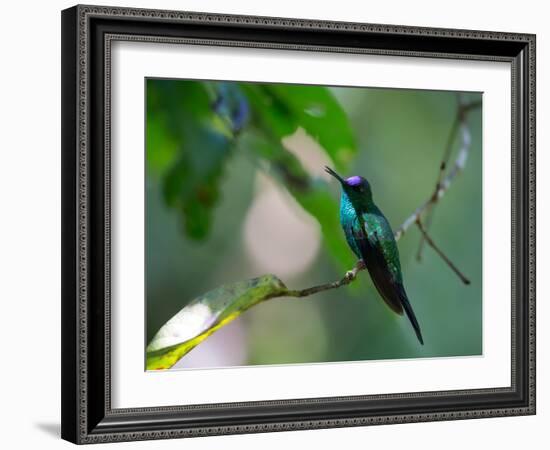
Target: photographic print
(299,224)
(336,201)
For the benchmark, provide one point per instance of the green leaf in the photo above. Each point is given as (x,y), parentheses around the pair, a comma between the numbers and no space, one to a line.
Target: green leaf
(192,185)
(206,314)
(162,147)
(270,114)
(187,146)
(318,112)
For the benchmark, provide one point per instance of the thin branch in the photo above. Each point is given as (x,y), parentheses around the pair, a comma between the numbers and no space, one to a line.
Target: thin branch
(429,220)
(348,278)
(442,167)
(450,140)
(445,184)
(460,120)
(444,257)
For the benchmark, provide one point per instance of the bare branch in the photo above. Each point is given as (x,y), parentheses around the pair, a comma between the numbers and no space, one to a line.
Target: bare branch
(442,167)
(348,278)
(445,184)
(444,257)
(429,219)
(459,121)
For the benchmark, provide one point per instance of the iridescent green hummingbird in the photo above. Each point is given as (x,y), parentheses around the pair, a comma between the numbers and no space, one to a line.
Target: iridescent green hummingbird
(371,238)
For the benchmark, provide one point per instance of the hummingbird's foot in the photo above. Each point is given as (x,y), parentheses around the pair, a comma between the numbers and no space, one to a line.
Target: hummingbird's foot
(350,275)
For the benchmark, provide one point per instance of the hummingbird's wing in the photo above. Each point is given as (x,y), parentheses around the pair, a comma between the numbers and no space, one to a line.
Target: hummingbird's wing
(381,259)
(376,243)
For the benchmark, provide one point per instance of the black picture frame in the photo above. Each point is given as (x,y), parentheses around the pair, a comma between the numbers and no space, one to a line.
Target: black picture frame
(87,415)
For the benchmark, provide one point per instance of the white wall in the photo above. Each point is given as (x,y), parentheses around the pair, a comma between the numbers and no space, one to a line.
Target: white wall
(30,221)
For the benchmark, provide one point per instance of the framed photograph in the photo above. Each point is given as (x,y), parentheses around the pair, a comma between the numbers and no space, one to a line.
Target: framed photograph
(281,224)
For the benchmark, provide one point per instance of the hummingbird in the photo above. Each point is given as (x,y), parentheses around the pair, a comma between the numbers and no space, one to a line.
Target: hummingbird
(370,237)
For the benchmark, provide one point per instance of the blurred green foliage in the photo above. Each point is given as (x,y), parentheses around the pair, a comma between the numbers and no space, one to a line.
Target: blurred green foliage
(205,143)
(200,123)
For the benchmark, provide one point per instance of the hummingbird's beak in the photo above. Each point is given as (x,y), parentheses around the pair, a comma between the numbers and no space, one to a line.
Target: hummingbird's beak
(334,174)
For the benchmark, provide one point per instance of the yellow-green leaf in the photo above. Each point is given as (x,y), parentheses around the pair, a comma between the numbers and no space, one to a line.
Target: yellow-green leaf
(206,314)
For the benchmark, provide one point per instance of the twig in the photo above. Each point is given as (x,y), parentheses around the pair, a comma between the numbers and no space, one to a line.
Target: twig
(444,257)
(443,186)
(460,120)
(348,278)
(442,168)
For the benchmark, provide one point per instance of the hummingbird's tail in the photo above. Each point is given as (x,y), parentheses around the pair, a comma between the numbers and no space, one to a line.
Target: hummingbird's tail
(410,314)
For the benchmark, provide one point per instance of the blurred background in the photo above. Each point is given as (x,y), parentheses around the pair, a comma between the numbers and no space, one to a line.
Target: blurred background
(235,189)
